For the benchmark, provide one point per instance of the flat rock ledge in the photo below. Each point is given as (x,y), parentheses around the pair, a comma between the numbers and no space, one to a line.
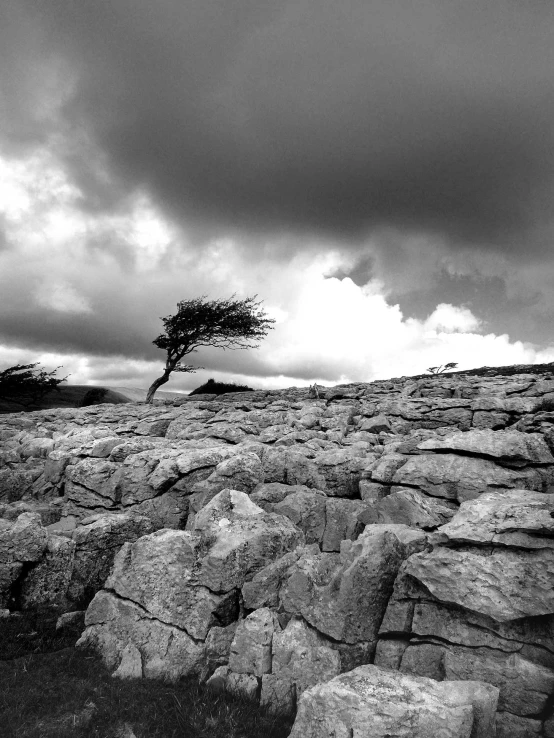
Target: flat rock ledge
(378,558)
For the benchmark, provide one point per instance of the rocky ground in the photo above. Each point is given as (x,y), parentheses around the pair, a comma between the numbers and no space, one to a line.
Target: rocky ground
(381,553)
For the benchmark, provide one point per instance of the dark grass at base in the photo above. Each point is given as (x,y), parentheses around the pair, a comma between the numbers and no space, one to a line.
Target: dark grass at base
(70,694)
(23,633)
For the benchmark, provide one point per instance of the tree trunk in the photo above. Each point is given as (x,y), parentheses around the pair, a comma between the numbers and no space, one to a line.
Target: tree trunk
(156,384)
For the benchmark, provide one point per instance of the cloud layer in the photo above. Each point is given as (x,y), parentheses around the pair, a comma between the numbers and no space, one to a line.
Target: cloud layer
(151,153)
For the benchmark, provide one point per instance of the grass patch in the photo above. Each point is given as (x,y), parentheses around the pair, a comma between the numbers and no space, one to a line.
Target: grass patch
(69,694)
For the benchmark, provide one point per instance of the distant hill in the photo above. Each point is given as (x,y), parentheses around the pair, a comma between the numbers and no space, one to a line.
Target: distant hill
(71,395)
(136,394)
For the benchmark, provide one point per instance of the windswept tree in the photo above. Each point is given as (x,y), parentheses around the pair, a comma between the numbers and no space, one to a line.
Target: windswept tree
(26,384)
(226,324)
(440,369)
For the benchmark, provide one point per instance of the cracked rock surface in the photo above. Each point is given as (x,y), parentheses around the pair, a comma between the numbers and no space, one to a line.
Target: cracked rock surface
(395,535)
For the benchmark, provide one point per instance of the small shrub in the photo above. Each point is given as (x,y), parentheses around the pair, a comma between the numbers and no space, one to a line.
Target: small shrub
(440,369)
(211,387)
(94,396)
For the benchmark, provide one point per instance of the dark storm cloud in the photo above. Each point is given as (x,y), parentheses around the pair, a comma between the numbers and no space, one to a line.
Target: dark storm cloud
(321,117)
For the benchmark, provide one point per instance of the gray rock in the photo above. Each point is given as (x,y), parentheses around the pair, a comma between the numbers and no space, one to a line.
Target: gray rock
(160,573)
(504,585)
(116,627)
(389,703)
(342,522)
(376,424)
(518,518)
(278,694)
(307,510)
(342,471)
(245,540)
(300,655)
(345,595)
(462,477)
(21,542)
(46,585)
(251,646)
(502,445)
(410,507)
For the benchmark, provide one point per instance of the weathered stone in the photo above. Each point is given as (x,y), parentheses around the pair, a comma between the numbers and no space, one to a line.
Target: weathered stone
(97,540)
(462,477)
(114,625)
(218,645)
(271,493)
(91,484)
(15,484)
(345,595)
(372,492)
(307,510)
(242,685)
(504,585)
(342,522)
(512,726)
(23,540)
(303,656)
(160,573)
(278,694)
(251,646)
(410,507)
(46,585)
(376,424)
(423,659)
(502,445)
(389,703)
(525,688)
(389,652)
(342,471)
(519,518)
(242,472)
(489,420)
(263,589)
(291,467)
(245,540)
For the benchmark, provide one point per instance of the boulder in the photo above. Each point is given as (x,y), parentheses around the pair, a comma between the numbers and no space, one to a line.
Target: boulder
(342,522)
(519,518)
(410,507)
(342,471)
(251,647)
(300,655)
(21,542)
(369,701)
(243,538)
(120,632)
(344,595)
(189,580)
(511,446)
(462,477)
(307,510)
(504,585)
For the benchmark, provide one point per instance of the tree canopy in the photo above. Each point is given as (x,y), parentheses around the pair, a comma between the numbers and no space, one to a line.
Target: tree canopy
(224,323)
(25,384)
(440,369)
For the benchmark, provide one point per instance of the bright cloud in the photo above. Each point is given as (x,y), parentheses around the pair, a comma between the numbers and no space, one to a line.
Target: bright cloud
(86,291)
(452,319)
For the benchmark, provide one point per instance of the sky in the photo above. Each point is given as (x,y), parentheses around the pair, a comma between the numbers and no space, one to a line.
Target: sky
(380,173)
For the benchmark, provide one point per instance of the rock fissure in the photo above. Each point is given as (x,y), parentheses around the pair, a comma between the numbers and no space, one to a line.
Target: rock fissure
(286,542)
